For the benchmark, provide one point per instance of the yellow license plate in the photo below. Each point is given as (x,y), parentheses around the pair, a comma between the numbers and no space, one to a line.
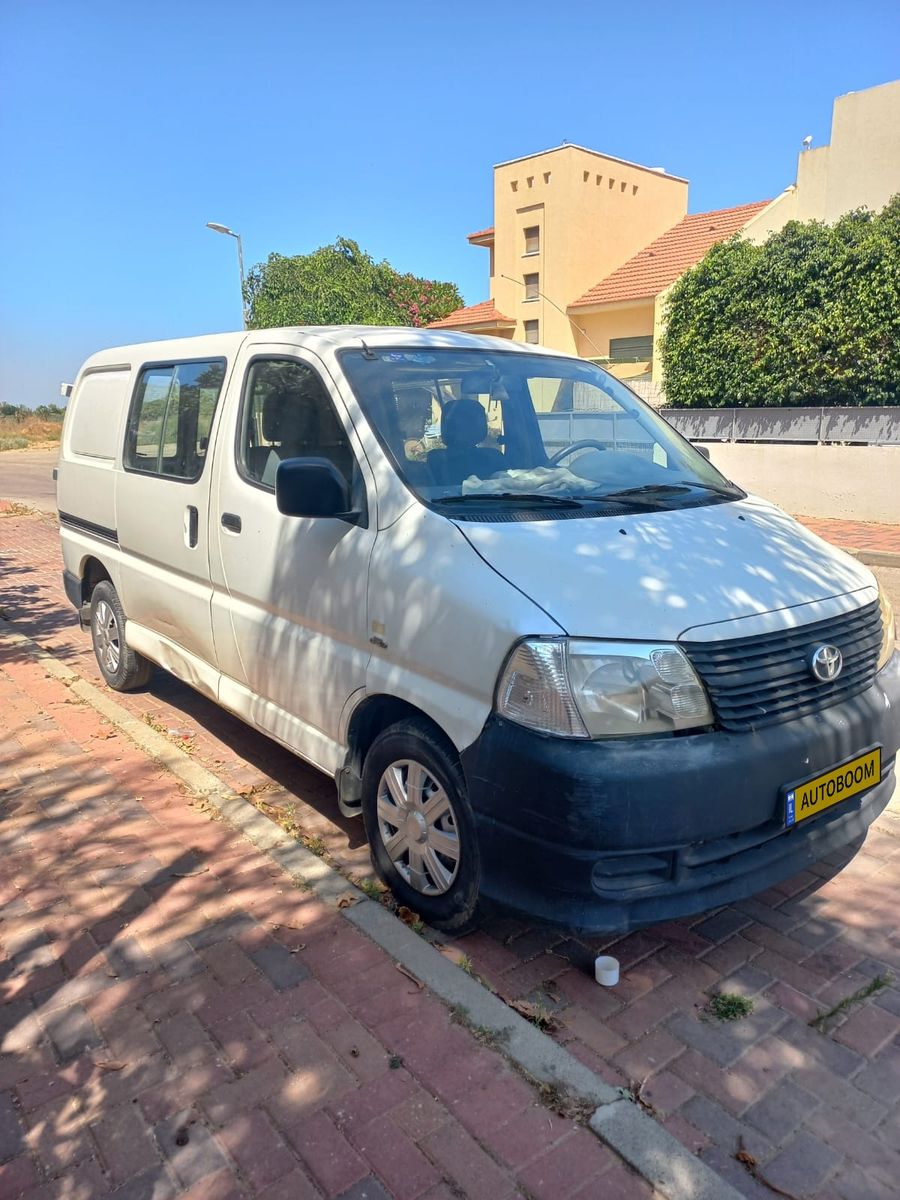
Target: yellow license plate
(812,796)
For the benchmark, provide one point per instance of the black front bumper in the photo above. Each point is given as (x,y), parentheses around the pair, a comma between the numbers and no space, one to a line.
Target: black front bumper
(610,835)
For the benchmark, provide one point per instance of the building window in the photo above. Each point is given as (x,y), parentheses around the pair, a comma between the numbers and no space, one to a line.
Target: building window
(532,286)
(533,240)
(170,418)
(631,349)
(532,331)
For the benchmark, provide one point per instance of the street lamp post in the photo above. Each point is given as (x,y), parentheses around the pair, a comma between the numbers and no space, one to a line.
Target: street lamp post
(217,228)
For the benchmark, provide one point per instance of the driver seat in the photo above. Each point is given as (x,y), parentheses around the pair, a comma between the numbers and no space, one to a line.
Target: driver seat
(463,426)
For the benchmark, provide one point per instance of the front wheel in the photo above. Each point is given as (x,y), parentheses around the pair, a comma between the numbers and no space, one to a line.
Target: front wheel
(121,667)
(420,826)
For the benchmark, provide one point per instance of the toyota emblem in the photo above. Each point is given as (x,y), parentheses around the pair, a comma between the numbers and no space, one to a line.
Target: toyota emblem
(826,663)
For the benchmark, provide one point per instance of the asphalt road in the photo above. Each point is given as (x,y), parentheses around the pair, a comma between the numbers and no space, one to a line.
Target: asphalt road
(27,476)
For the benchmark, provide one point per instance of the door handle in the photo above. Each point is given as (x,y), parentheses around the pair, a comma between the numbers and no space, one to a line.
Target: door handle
(231,522)
(191,526)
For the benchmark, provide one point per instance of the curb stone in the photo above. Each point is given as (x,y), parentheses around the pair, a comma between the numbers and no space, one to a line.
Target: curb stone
(631,1131)
(877,558)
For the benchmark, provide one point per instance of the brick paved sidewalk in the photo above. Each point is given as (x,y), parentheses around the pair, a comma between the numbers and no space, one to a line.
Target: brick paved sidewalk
(818,1109)
(180,1020)
(857,535)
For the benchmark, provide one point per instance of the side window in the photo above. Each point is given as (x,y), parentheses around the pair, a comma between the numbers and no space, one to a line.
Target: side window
(287,413)
(170,419)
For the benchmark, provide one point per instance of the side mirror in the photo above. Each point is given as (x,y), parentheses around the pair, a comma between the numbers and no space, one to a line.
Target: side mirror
(312,487)
(704,450)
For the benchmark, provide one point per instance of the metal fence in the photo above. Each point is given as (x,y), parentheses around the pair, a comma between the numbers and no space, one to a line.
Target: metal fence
(846,426)
(614,429)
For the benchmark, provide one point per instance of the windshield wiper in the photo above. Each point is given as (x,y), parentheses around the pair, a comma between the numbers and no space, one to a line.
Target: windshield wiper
(528,499)
(646,491)
(664,490)
(732,491)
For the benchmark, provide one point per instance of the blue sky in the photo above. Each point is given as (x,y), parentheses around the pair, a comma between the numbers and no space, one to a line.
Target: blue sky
(124,128)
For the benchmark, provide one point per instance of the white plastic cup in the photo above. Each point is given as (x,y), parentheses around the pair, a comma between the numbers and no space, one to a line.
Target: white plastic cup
(606,970)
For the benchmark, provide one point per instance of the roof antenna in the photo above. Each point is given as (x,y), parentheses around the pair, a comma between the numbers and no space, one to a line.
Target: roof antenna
(367,353)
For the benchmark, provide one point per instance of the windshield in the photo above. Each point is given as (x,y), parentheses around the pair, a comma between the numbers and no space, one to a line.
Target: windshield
(475,430)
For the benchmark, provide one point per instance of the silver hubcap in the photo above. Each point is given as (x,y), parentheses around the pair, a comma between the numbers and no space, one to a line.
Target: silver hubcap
(106,637)
(418,827)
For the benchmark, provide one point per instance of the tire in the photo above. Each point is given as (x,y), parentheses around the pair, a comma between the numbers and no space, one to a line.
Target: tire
(122,668)
(420,826)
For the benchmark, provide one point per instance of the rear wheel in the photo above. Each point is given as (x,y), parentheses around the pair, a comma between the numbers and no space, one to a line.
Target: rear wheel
(122,668)
(420,825)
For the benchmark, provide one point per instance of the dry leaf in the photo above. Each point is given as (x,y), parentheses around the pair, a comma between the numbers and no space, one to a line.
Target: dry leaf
(407,916)
(109,1065)
(409,975)
(347,901)
(537,1015)
(746,1158)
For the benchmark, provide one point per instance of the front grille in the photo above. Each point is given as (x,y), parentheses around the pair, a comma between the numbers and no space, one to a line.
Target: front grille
(758,681)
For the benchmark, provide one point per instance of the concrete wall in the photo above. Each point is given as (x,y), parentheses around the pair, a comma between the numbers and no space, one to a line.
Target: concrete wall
(860,483)
(593,212)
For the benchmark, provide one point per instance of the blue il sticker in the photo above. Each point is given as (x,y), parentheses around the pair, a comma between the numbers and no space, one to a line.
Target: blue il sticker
(790,816)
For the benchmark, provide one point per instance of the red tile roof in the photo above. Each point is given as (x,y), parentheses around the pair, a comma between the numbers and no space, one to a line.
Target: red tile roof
(661,263)
(480,234)
(476,314)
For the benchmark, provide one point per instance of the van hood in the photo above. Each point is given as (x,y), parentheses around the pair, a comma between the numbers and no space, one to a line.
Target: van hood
(662,575)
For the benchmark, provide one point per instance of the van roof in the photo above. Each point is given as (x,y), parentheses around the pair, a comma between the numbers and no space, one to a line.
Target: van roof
(314,337)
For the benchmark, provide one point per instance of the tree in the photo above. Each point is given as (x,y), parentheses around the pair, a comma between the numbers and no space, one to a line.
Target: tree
(43,412)
(811,316)
(342,285)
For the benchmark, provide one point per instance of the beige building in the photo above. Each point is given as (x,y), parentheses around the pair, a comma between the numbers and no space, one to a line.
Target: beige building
(581,247)
(860,167)
(584,247)
(620,318)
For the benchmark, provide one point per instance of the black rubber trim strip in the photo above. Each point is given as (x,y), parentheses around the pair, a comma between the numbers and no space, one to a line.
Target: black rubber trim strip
(88,527)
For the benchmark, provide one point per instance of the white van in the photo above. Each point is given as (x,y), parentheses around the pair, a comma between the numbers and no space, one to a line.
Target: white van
(552,656)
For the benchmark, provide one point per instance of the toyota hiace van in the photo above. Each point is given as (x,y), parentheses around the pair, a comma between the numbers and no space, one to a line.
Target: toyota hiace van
(547,651)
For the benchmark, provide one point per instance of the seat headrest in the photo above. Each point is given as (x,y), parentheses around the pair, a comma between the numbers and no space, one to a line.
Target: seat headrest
(289,417)
(463,424)
(273,407)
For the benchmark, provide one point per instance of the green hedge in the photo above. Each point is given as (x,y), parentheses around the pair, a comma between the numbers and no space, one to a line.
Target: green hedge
(812,316)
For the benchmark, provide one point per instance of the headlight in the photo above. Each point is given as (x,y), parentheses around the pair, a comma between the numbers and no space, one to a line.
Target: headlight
(888,629)
(583,689)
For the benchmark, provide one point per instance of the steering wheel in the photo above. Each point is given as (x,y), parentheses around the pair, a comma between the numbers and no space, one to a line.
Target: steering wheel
(584,444)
